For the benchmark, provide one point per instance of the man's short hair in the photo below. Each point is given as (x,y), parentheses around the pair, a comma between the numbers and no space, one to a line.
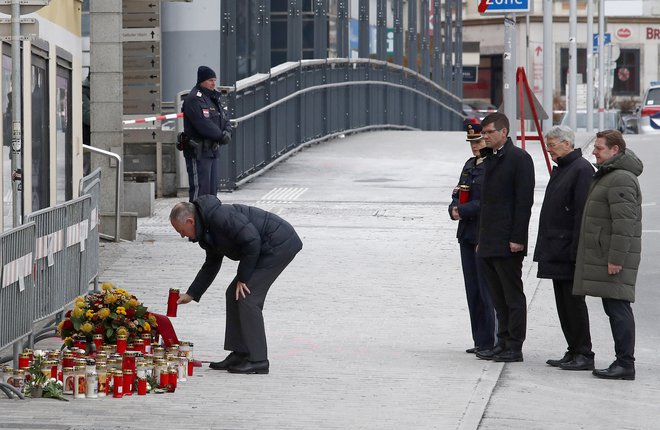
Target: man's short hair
(499,119)
(613,138)
(182,211)
(561,133)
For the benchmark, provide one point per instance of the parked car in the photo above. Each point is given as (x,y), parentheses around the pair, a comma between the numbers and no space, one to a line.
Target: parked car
(648,114)
(481,107)
(613,120)
(470,114)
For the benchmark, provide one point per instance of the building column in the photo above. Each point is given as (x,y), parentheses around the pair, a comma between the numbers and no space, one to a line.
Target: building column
(106,87)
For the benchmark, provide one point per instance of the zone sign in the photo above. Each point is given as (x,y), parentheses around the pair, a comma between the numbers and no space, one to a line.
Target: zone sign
(504,6)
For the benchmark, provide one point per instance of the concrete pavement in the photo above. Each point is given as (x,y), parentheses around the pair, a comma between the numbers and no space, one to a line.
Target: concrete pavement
(367,327)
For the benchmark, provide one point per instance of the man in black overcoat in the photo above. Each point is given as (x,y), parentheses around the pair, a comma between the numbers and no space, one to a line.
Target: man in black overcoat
(263,244)
(507,196)
(557,242)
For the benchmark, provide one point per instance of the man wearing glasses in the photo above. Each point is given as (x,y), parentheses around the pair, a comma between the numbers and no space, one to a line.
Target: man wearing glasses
(557,242)
(507,197)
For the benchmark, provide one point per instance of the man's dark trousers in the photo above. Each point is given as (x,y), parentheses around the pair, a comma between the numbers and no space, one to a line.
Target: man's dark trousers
(202,177)
(504,276)
(482,315)
(244,329)
(622,322)
(573,317)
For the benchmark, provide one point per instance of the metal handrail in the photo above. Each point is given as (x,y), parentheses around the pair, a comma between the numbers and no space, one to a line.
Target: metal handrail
(120,175)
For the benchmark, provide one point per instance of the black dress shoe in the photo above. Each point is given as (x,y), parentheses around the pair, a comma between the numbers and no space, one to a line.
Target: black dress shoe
(232,359)
(615,372)
(508,356)
(488,354)
(579,362)
(472,350)
(565,359)
(247,367)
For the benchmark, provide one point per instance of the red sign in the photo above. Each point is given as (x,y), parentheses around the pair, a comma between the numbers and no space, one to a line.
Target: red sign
(652,33)
(623,33)
(623,74)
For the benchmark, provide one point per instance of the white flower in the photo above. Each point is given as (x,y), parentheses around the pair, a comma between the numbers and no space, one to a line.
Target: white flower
(39,353)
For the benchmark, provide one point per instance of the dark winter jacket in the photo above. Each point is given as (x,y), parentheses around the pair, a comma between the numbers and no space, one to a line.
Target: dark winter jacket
(252,236)
(507,196)
(468,226)
(561,214)
(204,121)
(611,230)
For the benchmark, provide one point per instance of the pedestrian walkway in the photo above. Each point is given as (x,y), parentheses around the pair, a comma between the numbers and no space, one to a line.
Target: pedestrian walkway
(368,327)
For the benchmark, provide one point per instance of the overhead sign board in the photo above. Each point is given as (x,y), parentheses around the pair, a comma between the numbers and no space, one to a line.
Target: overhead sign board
(27,6)
(505,6)
(29,28)
(140,34)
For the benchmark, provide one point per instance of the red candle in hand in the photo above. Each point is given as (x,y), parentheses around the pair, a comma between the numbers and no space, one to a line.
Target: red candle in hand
(171,302)
(464,194)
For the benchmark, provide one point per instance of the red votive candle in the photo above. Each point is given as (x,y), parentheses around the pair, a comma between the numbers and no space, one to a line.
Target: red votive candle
(118,384)
(142,386)
(164,379)
(173,379)
(122,341)
(128,382)
(171,302)
(24,360)
(98,342)
(190,367)
(146,338)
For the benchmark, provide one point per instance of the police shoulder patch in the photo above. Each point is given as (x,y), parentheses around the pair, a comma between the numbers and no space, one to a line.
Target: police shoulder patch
(199,94)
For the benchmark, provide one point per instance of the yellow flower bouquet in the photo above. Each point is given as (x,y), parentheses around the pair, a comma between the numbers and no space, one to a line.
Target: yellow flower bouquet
(110,312)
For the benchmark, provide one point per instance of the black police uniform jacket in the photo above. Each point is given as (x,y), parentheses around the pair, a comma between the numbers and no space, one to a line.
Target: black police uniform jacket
(561,214)
(204,120)
(468,226)
(507,196)
(256,238)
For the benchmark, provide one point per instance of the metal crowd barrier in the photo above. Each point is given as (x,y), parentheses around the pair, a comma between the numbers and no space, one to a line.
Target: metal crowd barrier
(16,290)
(62,261)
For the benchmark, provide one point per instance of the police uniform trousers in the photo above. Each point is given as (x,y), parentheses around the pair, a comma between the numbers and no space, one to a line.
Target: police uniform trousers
(573,317)
(244,329)
(504,276)
(622,323)
(482,312)
(202,176)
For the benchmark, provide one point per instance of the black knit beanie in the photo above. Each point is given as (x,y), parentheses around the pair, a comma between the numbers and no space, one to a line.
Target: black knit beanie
(204,73)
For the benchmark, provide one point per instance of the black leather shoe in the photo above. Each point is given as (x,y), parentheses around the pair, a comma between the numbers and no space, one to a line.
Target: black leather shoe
(233,359)
(472,350)
(247,367)
(579,362)
(565,359)
(488,354)
(508,356)
(615,372)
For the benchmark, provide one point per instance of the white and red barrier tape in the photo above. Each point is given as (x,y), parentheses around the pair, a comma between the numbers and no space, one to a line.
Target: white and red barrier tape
(154,118)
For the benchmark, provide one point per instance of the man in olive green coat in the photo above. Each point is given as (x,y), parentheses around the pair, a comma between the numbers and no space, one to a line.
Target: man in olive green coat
(610,245)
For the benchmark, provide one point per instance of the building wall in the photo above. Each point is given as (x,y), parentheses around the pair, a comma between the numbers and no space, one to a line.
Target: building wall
(51,111)
(190,38)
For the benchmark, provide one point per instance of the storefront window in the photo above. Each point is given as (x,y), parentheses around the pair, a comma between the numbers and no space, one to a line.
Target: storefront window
(626,74)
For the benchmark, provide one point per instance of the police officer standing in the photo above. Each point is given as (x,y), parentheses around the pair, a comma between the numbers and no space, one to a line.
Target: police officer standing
(206,127)
(465,208)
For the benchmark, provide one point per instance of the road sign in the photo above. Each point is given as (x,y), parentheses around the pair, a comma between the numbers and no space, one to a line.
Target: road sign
(470,74)
(142,63)
(140,6)
(141,20)
(27,6)
(504,6)
(140,107)
(144,135)
(142,92)
(140,34)
(141,77)
(606,41)
(140,49)
(29,28)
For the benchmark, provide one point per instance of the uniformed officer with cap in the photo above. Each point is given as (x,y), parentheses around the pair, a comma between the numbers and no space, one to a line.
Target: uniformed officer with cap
(465,208)
(206,126)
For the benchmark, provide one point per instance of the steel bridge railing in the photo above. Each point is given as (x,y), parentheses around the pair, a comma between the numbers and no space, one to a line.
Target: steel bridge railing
(300,103)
